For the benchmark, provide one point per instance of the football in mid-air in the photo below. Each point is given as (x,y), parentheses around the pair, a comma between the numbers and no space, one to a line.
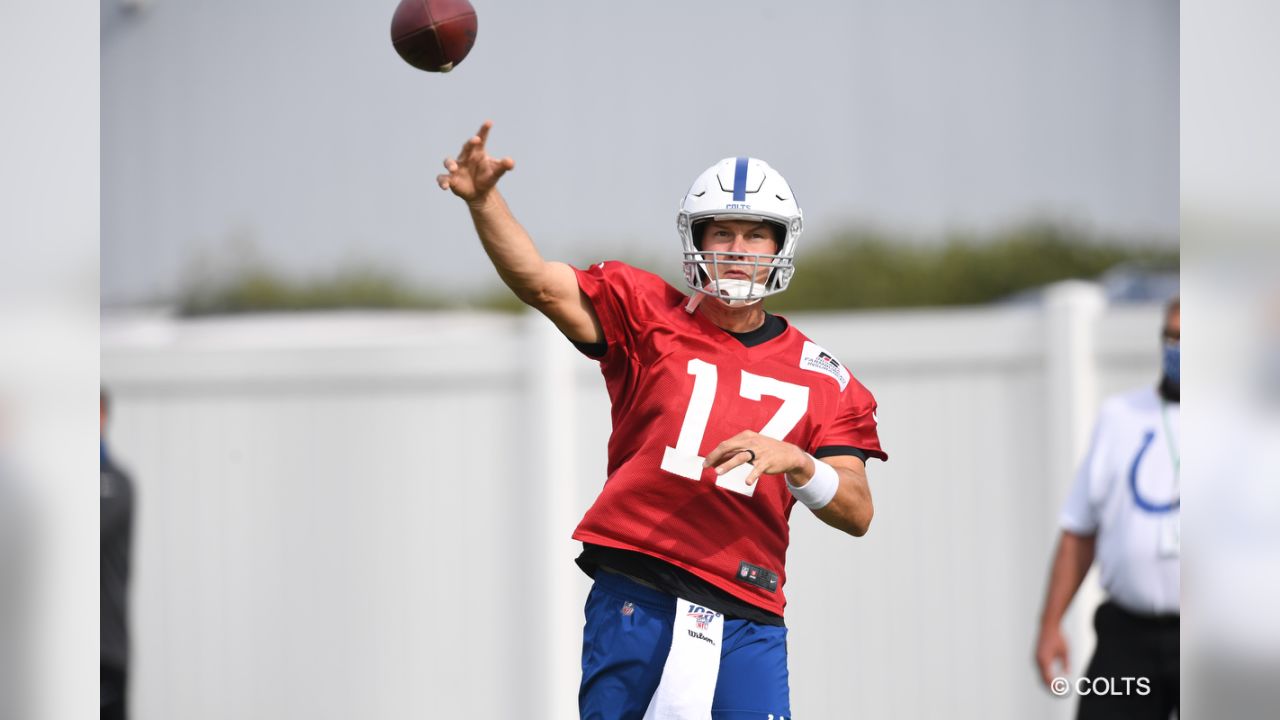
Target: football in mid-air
(433,35)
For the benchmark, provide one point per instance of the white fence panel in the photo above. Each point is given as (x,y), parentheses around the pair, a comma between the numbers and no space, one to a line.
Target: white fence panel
(361,515)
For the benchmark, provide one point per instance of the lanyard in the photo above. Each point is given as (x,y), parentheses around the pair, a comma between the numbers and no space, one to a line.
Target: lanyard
(1171,443)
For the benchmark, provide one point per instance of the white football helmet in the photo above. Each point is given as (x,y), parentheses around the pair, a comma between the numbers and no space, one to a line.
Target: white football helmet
(739,189)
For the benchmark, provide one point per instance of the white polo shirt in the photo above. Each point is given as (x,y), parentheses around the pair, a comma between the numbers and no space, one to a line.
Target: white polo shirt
(1127,492)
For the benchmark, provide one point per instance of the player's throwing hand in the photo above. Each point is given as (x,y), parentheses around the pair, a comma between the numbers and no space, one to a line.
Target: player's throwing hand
(474,173)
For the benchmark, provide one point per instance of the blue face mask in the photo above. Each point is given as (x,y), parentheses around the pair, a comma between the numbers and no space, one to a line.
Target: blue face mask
(1172,362)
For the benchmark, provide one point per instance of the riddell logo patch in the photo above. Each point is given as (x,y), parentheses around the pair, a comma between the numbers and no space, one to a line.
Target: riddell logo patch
(818,360)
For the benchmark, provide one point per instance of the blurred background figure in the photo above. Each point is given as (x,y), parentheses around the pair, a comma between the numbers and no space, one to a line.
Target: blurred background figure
(117,531)
(1231,643)
(1123,511)
(14,518)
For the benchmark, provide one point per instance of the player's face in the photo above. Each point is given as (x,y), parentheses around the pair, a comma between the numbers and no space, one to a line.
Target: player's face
(741,239)
(1172,331)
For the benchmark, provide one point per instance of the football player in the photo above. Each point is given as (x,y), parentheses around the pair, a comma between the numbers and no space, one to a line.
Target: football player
(724,416)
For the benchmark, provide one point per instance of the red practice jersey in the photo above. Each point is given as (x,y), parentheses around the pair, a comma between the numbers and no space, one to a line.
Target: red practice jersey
(680,385)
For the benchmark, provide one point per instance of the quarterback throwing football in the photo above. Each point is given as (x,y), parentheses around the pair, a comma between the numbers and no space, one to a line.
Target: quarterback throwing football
(724,416)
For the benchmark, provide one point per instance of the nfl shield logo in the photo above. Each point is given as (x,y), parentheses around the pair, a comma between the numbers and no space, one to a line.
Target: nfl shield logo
(628,608)
(702,617)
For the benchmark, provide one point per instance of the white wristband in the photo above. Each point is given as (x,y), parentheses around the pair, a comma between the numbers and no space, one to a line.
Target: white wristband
(816,493)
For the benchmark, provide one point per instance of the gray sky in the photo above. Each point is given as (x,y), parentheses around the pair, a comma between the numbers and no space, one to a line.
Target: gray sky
(297,127)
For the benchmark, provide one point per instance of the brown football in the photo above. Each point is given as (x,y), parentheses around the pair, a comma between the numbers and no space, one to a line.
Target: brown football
(433,35)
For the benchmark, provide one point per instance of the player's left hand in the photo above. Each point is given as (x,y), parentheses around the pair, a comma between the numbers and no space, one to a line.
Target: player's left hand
(772,457)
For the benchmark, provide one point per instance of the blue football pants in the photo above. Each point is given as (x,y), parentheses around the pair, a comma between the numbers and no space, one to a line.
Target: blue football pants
(627,638)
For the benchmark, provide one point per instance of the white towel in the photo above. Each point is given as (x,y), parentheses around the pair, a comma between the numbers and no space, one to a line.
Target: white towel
(689,676)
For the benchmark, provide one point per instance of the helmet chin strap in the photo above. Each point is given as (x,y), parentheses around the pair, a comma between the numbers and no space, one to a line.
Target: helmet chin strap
(737,293)
(723,295)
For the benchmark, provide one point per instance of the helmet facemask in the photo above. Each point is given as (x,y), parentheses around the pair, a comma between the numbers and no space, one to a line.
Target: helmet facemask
(739,189)
(705,270)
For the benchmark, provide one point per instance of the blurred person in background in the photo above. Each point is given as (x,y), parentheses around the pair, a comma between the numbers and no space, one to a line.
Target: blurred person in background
(116,534)
(1124,511)
(15,579)
(724,416)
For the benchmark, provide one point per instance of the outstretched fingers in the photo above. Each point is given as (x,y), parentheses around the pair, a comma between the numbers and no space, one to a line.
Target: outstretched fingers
(501,167)
(473,148)
(468,151)
(473,172)
(445,181)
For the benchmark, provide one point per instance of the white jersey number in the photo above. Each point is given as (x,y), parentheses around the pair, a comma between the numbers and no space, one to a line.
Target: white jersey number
(684,460)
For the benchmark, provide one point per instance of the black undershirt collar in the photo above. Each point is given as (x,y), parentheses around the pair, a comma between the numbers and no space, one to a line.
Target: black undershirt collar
(772,327)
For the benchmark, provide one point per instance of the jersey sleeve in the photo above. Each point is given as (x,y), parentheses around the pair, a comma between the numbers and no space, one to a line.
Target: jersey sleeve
(854,428)
(622,298)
